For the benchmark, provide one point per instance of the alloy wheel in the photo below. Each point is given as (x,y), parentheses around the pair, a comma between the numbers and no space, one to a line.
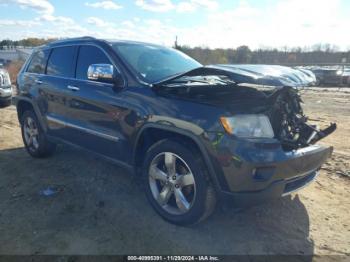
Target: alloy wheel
(172,183)
(31,133)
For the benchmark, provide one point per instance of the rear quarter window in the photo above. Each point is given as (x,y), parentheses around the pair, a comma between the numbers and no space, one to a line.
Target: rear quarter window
(38,62)
(61,62)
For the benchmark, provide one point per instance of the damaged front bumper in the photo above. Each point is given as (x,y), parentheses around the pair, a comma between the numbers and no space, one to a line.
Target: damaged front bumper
(255,172)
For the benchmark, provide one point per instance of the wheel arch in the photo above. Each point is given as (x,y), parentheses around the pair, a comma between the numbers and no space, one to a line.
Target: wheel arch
(23,104)
(152,133)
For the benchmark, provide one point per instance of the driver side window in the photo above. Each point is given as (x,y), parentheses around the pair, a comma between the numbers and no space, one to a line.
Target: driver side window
(87,56)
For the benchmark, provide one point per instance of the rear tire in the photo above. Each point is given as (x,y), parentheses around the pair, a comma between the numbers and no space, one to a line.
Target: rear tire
(34,138)
(176,183)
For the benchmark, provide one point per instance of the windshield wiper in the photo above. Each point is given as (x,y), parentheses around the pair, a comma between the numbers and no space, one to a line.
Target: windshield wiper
(210,80)
(173,76)
(205,74)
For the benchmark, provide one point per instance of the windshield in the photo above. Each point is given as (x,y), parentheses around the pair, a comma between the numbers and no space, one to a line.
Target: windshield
(154,63)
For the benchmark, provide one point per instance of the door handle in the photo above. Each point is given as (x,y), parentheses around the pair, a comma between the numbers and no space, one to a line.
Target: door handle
(73,88)
(39,82)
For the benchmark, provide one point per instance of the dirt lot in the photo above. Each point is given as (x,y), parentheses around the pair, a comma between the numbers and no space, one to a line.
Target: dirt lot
(100,208)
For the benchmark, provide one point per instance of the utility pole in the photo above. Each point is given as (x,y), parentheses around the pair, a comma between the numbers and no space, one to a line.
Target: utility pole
(176,45)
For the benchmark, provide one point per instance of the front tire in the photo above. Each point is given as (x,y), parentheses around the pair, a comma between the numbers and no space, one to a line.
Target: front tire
(34,138)
(176,183)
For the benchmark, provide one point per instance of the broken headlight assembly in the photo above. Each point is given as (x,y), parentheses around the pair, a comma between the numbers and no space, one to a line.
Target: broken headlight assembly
(248,126)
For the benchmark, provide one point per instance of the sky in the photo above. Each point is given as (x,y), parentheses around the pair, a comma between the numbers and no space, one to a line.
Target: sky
(205,23)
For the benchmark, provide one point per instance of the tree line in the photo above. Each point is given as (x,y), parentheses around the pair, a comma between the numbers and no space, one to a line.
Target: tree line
(244,55)
(27,42)
(317,54)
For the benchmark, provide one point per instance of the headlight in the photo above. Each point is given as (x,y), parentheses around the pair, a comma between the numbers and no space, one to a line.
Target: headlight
(4,79)
(248,126)
(339,72)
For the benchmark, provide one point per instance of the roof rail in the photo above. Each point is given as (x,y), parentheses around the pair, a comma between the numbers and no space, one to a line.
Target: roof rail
(72,39)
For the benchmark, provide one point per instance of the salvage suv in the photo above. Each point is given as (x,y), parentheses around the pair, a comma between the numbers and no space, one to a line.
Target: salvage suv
(193,133)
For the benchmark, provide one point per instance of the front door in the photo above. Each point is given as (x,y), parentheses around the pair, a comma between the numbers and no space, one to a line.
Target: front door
(95,108)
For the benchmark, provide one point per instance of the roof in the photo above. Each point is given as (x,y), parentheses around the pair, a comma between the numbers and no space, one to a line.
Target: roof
(69,40)
(83,39)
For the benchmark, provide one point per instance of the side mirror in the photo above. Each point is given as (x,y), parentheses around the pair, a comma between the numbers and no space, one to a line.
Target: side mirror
(105,73)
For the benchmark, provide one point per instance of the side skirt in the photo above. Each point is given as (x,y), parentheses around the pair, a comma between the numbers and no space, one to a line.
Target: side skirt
(128,167)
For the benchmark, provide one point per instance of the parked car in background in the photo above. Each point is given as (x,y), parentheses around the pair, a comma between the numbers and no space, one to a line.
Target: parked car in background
(5,88)
(194,134)
(329,75)
(346,76)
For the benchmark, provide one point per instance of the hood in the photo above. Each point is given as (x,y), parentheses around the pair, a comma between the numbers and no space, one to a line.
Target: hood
(266,75)
(273,75)
(239,98)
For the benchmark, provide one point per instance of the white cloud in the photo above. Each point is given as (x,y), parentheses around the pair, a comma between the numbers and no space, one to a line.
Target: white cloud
(182,7)
(108,5)
(155,5)
(129,24)
(192,5)
(61,32)
(21,23)
(210,4)
(40,6)
(97,22)
(46,19)
(56,19)
(287,23)
(45,10)
(185,7)
(283,23)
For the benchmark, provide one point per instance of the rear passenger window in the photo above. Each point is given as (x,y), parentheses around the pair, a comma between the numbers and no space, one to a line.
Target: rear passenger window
(61,62)
(89,55)
(38,63)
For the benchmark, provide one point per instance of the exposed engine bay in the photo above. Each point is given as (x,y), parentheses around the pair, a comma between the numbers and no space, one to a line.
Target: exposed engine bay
(290,124)
(281,104)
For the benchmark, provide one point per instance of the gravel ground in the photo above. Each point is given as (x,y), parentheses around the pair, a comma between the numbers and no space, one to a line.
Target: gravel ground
(99,208)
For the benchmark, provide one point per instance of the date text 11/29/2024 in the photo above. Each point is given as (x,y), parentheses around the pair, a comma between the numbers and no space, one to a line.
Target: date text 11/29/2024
(173,258)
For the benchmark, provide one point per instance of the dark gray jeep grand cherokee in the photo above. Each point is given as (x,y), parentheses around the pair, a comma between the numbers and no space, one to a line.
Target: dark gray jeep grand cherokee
(194,133)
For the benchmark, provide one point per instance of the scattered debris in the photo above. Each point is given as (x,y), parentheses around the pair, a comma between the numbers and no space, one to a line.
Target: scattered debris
(327,169)
(7,127)
(318,182)
(16,196)
(51,191)
(48,192)
(343,173)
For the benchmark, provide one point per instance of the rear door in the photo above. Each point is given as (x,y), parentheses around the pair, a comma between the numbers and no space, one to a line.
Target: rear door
(55,88)
(95,108)
(32,79)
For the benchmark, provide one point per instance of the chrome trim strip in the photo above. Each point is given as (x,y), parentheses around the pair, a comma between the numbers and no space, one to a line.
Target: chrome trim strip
(303,151)
(86,130)
(303,186)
